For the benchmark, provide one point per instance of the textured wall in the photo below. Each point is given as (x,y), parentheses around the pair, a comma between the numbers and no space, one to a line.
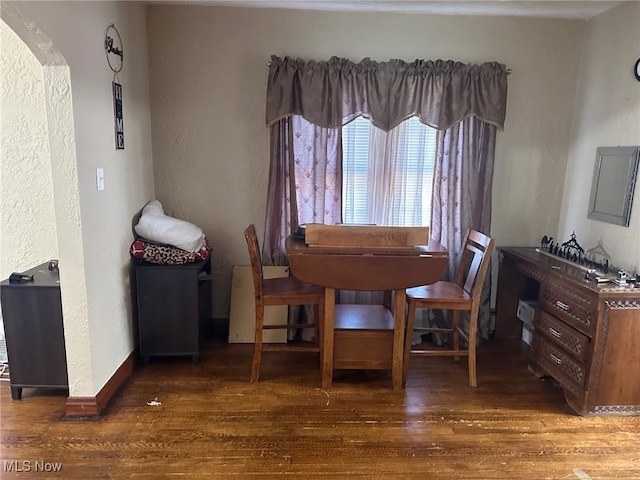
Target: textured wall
(607,113)
(208,69)
(27,217)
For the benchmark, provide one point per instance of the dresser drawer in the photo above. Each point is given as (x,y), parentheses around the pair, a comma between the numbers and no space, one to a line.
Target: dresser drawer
(569,305)
(569,373)
(561,334)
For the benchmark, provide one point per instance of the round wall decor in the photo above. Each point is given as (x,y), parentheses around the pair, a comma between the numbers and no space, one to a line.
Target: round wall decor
(113,48)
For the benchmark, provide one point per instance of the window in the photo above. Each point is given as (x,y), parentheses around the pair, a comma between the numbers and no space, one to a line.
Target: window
(388,176)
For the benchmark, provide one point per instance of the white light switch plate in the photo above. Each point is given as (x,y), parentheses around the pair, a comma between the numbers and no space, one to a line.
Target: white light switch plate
(100,178)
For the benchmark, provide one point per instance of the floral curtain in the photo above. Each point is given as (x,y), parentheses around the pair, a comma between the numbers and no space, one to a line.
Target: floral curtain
(462,187)
(305,182)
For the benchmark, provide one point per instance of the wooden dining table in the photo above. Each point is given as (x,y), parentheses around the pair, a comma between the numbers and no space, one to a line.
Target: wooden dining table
(362,337)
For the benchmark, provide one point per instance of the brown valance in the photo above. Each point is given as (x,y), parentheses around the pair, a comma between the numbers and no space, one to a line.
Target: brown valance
(331,93)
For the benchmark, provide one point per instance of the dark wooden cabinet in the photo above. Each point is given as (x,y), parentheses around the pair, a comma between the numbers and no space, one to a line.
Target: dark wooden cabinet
(32,315)
(173,307)
(585,336)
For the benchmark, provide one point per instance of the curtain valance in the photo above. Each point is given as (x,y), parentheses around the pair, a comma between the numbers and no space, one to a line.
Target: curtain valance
(331,93)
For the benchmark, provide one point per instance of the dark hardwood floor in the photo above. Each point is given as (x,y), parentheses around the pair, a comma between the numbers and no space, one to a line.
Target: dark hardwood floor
(212,423)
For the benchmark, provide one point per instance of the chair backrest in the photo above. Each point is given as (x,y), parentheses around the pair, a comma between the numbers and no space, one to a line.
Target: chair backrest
(256,260)
(474,263)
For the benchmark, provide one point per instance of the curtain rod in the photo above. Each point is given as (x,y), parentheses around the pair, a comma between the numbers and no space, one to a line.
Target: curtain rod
(508,69)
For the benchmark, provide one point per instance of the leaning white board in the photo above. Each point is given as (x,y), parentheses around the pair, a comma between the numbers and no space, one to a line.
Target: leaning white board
(243,313)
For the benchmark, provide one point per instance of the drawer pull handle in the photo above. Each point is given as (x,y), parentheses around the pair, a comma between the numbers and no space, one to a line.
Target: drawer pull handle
(562,305)
(555,359)
(554,332)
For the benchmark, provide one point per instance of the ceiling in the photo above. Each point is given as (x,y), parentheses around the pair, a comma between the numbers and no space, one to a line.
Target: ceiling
(583,9)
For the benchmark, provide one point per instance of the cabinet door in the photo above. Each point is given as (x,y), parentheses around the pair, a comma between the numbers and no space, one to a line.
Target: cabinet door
(35,336)
(168,310)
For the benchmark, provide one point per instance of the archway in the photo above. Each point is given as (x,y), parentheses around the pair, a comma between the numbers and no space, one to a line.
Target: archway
(61,191)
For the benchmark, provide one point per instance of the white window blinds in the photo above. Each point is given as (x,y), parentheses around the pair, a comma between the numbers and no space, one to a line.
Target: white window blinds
(388,176)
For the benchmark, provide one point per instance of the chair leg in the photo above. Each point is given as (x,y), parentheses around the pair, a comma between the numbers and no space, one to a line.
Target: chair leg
(473,332)
(257,345)
(455,316)
(408,336)
(473,381)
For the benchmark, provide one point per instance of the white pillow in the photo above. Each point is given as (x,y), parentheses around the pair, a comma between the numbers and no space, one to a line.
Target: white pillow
(154,207)
(155,225)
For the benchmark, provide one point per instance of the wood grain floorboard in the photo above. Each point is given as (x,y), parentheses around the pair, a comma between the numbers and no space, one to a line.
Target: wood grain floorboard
(212,423)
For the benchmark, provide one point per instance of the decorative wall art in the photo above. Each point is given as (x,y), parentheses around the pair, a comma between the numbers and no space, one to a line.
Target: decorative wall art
(115,59)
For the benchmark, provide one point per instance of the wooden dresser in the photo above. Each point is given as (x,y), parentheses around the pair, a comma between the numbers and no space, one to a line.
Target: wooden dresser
(586,334)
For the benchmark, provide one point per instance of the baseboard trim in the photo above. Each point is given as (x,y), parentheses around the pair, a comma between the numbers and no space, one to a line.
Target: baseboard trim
(95,406)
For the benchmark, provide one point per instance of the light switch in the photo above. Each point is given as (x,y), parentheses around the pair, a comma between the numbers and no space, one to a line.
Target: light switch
(100,178)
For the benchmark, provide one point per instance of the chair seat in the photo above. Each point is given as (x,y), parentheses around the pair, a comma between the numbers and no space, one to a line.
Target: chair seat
(290,291)
(441,294)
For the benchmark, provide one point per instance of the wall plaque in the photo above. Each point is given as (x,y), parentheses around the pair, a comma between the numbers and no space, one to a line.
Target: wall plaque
(117,112)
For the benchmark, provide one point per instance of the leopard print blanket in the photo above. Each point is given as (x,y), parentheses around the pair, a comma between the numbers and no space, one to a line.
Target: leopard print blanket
(166,254)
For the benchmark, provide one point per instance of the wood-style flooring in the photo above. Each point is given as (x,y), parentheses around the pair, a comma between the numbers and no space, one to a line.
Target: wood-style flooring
(212,423)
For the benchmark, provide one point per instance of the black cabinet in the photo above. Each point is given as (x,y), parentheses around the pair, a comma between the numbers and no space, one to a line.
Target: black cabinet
(32,315)
(173,307)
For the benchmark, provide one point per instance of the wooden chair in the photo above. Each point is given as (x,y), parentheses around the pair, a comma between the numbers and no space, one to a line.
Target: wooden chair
(281,291)
(462,294)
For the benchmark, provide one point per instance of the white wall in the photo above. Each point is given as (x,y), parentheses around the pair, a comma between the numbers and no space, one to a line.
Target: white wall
(94,243)
(208,70)
(607,113)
